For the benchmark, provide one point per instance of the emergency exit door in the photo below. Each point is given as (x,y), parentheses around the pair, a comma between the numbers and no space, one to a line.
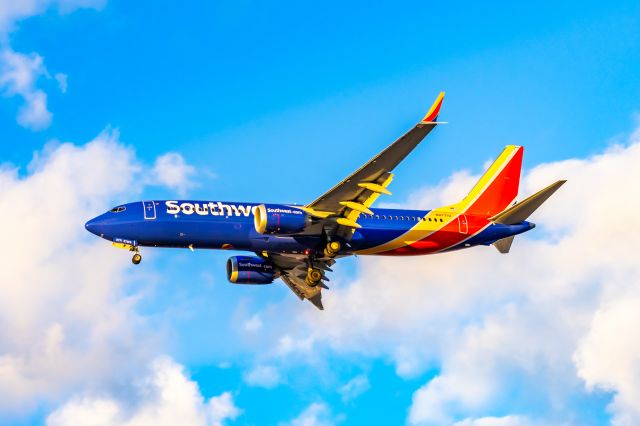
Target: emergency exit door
(463,226)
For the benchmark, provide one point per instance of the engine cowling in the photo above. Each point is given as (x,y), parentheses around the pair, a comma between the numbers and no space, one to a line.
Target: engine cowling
(250,270)
(278,219)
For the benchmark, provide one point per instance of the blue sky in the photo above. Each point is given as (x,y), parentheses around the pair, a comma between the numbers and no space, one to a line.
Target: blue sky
(277,103)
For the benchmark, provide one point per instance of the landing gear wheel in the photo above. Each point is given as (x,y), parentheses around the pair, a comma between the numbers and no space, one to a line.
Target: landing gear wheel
(314,276)
(136,258)
(332,248)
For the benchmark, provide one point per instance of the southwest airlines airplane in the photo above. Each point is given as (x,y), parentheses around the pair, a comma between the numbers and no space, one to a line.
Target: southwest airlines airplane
(299,244)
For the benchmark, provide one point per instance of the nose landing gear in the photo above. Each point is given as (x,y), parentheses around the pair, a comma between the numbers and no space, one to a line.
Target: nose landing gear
(137,257)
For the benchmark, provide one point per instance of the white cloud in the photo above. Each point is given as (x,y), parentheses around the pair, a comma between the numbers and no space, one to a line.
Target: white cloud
(253,324)
(20,72)
(316,414)
(288,345)
(165,397)
(171,170)
(18,76)
(354,388)
(609,356)
(66,320)
(222,408)
(12,11)
(491,324)
(62,78)
(63,314)
(495,421)
(265,376)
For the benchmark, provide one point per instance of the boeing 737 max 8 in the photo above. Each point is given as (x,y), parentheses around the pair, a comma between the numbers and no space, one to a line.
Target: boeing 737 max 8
(299,244)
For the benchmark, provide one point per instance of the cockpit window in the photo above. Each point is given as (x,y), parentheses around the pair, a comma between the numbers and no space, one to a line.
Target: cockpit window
(118,209)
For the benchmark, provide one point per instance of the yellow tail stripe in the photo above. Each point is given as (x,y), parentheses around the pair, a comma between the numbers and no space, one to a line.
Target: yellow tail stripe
(425,227)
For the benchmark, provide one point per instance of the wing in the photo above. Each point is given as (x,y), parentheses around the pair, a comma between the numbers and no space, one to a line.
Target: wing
(355,194)
(293,270)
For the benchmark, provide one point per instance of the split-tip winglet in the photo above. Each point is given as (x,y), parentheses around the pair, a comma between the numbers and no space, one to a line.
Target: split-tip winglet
(432,115)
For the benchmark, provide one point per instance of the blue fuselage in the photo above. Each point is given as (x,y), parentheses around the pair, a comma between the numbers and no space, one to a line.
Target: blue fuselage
(230,225)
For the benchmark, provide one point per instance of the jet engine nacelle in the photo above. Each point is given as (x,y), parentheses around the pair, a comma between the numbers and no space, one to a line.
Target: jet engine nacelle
(279,219)
(250,270)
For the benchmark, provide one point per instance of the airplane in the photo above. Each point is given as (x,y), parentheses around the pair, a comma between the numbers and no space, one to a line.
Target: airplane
(299,243)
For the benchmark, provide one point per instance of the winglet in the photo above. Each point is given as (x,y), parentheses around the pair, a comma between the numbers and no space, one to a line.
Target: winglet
(432,115)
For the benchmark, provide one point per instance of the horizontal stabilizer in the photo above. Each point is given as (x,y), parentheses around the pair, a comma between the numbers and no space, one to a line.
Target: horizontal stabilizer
(526,207)
(504,245)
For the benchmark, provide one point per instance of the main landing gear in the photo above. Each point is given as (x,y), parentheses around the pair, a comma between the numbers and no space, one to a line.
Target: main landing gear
(314,276)
(332,248)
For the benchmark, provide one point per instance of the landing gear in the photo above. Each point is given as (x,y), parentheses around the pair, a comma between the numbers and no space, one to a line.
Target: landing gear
(136,258)
(314,276)
(332,248)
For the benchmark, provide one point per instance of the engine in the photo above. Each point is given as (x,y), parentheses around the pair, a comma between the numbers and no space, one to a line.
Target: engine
(279,219)
(250,270)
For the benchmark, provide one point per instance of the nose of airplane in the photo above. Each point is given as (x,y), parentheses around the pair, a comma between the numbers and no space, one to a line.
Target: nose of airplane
(92,226)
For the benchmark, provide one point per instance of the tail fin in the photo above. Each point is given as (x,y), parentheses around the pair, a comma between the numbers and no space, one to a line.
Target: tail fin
(498,187)
(526,207)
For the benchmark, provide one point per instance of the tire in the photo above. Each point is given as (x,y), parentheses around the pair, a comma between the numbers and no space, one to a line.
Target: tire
(332,248)
(313,277)
(136,258)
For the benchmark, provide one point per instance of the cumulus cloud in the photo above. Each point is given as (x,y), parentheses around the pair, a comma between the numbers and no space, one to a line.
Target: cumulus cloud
(609,356)
(20,72)
(171,170)
(495,421)
(67,319)
(62,315)
(354,388)
(265,376)
(61,78)
(253,324)
(556,316)
(222,408)
(165,397)
(316,414)
(12,11)
(18,76)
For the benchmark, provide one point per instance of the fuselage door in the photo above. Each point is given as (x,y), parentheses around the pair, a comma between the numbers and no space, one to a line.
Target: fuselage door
(463,226)
(149,208)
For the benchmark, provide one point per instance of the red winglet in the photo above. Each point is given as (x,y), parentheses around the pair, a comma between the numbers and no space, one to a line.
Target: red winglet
(432,115)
